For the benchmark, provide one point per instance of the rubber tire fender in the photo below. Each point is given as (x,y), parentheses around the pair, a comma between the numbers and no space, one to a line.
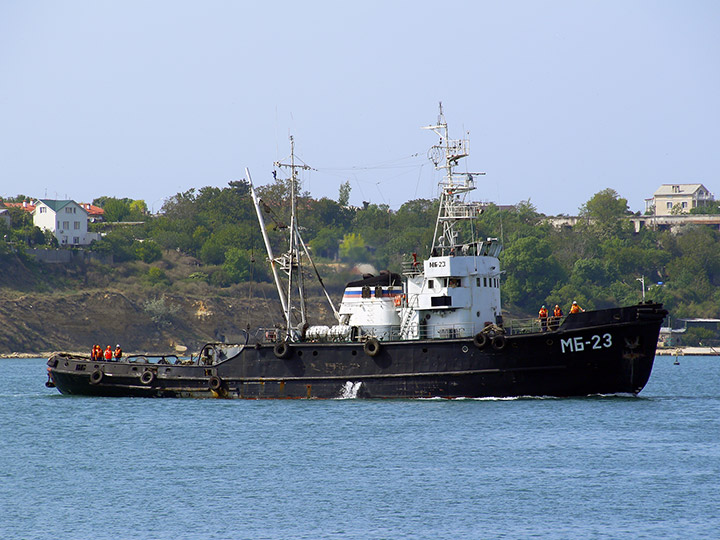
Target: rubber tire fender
(480,340)
(372,347)
(147,377)
(282,349)
(215,383)
(96,376)
(499,342)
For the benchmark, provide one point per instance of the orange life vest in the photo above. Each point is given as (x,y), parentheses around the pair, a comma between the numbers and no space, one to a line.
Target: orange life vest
(557,312)
(108,353)
(543,313)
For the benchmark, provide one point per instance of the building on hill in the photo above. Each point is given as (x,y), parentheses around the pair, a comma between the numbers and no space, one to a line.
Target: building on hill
(95,213)
(25,205)
(67,220)
(674,199)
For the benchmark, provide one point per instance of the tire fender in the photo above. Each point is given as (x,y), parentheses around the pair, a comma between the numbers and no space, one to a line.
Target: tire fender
(499,342)
(215,383)
(282,349)
(96,376)
(372,347)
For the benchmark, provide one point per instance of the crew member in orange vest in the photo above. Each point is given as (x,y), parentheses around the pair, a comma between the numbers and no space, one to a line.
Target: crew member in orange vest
(96,352)
(118,352)
(557,315)
(543,316)
(108,353)
(575,308)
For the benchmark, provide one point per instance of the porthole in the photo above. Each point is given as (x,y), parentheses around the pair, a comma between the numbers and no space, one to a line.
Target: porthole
(299,353)
(315,353)
(353,352)
(424,349)
(464,348)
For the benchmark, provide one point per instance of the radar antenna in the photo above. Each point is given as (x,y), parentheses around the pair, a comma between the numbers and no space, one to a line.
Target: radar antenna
(453,187)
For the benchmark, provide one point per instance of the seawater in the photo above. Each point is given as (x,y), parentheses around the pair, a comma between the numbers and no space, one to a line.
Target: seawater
(603,467)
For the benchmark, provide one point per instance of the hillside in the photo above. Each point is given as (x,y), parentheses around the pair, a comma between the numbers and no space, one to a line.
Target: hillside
(76,306)
(36,323)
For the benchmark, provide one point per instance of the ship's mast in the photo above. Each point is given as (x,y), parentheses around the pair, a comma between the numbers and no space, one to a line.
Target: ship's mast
(290,262)
(453,188)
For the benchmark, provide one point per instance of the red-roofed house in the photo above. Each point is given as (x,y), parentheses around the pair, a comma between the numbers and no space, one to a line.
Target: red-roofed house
(95,213)
(27,206)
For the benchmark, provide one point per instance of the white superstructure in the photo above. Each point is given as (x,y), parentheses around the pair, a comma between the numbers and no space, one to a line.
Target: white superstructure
(456,291)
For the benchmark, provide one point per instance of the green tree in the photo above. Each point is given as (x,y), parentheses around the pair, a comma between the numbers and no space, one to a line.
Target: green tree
(532,272)
(604,215)
(238,265)
(147,251)
(138,210)
(119,243)
(352,247)
(327,242)
(115,209)
(344,195)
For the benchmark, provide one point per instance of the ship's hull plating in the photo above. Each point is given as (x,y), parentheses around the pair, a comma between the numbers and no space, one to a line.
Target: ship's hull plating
(601,352)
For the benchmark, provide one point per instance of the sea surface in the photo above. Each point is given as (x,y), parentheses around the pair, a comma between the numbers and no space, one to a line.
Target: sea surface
(593,468)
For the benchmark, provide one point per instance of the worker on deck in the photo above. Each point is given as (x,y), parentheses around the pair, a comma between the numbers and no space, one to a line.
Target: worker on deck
(575,308)
(108,353)
(118,352)
(543,316)
(556,316)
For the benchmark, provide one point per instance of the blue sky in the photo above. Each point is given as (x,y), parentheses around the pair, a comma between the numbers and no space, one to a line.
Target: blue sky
(561,98)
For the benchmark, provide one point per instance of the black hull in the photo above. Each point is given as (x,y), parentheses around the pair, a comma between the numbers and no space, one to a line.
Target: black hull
(601,352)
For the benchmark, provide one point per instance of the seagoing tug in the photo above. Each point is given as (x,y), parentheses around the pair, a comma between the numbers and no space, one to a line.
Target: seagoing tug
(434,331)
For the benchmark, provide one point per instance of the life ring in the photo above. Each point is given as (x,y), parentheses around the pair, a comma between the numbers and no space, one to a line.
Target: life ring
(371,347)
(398,300)
(96,376)
(147,377)
(282,349)
(215,383)
(499,342)
(480,340)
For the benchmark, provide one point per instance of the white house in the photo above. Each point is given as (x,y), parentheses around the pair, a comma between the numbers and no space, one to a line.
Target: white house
(672,199)
(67,220)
